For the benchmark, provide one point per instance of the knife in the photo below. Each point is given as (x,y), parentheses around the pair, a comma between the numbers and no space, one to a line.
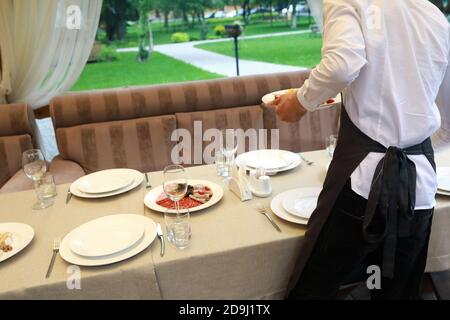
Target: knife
(161,238)
(69,196)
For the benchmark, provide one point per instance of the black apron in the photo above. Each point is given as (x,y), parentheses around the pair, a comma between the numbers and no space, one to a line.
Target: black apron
(391,198)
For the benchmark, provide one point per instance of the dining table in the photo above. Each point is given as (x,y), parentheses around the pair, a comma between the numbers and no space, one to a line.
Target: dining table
(234,253)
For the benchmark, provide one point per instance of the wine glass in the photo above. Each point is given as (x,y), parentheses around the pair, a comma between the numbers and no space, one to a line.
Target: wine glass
(228,147)
(35,167)
(175,184)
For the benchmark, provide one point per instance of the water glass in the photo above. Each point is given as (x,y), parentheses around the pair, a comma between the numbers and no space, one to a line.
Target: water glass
(220,161)
(224,164)
(178,229)
(331,142)
(45,191)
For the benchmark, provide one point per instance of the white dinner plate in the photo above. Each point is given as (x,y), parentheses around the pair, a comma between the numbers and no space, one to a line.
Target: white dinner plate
(274,161)
(137,177)
(443,178)
(22,235)
(153,195)
(105,236)
(270,97)
(277,208)
(104,181)
(301,202)
(149,235)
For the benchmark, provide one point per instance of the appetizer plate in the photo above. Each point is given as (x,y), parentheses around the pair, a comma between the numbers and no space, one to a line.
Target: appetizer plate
(270,97)
(149,235)
(301,202)
(105,236)
(136,176)
(277,208)
(274,161)
(22,235)
(153,195)
(443,178)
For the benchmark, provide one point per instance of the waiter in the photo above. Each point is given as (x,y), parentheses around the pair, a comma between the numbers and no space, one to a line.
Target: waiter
(390,58)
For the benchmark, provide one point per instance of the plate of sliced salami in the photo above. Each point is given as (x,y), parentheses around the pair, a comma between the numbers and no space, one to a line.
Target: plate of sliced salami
(201,194)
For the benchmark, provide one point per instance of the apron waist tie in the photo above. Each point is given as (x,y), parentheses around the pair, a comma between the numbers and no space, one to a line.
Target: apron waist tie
(391,201)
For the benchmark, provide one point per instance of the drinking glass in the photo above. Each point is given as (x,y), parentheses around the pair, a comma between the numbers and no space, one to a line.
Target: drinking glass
(331,142)
(175,184)
(178,228)
(228,147)
(220,161)
(35,167)
(46,190)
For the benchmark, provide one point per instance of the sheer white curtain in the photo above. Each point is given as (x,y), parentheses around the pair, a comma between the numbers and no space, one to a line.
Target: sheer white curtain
(316,7)
(43,56)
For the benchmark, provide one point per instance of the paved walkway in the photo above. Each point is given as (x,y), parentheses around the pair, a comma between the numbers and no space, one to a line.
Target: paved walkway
(221,64)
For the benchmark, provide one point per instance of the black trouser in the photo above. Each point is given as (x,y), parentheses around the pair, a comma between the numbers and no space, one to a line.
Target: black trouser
(341,255)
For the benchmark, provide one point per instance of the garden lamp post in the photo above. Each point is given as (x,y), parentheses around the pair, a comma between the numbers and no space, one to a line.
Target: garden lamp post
(235,31)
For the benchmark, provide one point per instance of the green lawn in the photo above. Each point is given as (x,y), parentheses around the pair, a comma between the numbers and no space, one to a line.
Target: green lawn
(296,50)
(127,72)
(162,35)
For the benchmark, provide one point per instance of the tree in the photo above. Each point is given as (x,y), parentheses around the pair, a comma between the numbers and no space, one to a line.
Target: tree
(143,7)
(114,16)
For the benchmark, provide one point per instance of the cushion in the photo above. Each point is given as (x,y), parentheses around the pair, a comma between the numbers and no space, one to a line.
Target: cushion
(18,182)
(244,118)
(141,144)
(308,134)
(138,102)
(11,149)
(16,119)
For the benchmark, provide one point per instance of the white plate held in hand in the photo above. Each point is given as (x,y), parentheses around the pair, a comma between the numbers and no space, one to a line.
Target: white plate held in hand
(105,236)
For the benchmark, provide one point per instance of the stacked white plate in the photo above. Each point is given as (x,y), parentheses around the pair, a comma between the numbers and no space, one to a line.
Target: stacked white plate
(296,205)
(273,161)
(106,183)
(108,240)
(443,180)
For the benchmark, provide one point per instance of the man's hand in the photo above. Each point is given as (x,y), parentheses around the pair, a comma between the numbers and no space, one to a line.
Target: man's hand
(288,108)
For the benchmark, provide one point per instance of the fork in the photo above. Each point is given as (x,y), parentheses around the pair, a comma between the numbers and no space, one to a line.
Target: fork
(56,246)
(309,163)
(261,209)
(148,184)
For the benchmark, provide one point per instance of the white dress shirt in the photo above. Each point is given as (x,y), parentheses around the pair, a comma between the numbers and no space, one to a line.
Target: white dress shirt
(391,60)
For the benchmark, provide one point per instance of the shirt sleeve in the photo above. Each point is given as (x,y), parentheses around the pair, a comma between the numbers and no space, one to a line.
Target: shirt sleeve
(343,55)
(441,139)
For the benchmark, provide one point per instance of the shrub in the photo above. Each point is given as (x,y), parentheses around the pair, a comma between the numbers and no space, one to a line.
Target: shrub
(220,31)
(180,37)
(107,54)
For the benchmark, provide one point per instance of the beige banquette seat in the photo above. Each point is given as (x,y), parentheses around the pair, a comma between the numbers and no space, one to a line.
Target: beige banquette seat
(133,127)
(16,136)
